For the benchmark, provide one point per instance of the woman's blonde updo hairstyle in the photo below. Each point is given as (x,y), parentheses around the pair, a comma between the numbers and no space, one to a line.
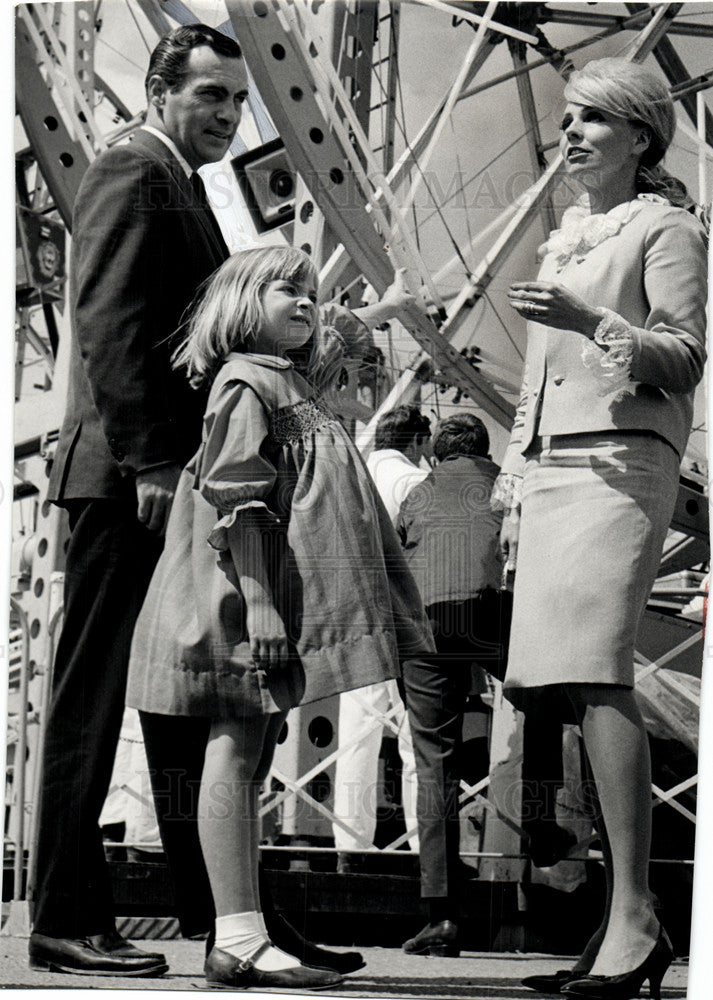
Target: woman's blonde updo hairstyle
(638,95)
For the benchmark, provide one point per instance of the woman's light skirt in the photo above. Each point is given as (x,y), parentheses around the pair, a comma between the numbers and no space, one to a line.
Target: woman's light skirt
(595,513)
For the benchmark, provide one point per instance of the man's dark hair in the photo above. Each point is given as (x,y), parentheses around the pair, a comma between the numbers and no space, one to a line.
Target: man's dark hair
(397,428)
(461,434)
(169,58)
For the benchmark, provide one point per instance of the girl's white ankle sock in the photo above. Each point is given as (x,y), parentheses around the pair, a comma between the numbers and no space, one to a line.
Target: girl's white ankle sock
(242,934)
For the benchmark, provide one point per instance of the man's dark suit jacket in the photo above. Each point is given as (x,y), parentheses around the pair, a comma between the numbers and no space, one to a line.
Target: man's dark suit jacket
(142,245)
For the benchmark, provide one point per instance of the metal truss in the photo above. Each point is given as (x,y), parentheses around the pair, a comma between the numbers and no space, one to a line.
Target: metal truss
(361,195)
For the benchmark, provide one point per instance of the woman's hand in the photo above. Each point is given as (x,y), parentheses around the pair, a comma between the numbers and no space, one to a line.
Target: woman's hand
(266,631)
(509,535)
(555,306)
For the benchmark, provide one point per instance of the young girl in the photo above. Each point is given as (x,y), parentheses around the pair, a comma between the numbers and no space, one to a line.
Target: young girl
(281,582)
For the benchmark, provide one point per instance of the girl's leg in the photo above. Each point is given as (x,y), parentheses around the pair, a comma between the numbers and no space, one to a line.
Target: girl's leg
(227,822)
(228,827)
(618,751)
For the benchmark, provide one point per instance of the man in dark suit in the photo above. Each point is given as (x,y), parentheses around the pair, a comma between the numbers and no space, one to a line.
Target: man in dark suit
(144,239)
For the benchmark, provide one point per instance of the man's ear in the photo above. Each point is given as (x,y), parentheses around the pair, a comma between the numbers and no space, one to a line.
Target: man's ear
(156,91)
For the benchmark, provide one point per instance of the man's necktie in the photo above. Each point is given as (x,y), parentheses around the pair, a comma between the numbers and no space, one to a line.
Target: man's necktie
(201,200)
(199,190)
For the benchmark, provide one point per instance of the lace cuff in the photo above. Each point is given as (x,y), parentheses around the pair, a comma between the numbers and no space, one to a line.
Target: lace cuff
(218,537)
(610,354)
(507,492)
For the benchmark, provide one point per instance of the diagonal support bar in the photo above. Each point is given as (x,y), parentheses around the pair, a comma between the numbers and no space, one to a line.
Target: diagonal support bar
(287,83)
(456,90)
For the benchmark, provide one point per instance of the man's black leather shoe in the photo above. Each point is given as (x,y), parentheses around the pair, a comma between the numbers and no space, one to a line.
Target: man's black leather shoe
(95,955)
(224,971)
(435,939)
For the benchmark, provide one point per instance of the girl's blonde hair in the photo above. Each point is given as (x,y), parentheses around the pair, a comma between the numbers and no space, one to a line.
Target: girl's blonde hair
(227,312)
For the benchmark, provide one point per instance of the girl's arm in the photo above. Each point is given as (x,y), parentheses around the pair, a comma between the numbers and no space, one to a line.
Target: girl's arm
(235,476)
(395,299)
(266,631)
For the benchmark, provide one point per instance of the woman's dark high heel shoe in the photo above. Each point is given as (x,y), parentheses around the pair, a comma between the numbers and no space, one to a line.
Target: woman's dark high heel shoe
(628,985)
(552,982)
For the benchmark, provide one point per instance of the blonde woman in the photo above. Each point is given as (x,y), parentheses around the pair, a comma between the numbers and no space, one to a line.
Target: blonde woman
(615,350)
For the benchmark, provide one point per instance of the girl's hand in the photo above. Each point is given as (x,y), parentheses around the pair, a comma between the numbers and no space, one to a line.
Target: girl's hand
(395,299)
(397,296)
(555,306)
(268,639)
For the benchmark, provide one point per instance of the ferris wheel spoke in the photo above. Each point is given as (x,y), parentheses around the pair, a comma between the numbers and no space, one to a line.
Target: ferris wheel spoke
(445,116)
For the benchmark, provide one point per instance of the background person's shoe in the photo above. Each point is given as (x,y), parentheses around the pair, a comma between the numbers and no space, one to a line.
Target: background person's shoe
(95,955)
(224,971)
(435,939)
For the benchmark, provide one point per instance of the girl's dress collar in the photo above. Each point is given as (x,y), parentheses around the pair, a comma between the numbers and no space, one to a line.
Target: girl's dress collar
(580,231)
(264,360)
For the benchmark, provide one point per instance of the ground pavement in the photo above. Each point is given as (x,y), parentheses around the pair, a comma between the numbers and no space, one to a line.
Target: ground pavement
(389,974)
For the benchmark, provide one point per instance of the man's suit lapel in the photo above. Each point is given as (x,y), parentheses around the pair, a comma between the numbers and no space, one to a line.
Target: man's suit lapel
(203,214)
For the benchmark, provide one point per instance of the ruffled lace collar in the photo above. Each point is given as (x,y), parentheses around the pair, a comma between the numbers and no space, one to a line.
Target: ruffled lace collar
(580,232)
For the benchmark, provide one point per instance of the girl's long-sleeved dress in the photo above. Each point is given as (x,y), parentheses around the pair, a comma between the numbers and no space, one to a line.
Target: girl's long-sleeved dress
(339,581)
(597,441)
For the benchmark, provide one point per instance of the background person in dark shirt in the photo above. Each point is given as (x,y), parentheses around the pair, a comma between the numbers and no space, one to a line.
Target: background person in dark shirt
(450,536)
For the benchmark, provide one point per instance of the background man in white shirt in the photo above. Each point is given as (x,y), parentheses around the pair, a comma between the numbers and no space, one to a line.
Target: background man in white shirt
(401,437)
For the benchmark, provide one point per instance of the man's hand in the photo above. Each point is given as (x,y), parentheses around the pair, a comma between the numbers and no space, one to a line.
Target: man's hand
(154,493)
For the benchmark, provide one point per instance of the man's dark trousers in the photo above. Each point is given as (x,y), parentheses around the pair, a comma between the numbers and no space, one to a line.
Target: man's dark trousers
(436,688)
(110,560)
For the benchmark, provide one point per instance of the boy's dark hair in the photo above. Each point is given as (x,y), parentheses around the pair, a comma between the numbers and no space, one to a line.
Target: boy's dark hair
(169,58)
(397,428)
(461,434)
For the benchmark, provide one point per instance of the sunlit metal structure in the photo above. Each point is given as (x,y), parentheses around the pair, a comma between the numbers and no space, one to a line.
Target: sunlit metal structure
(329,81)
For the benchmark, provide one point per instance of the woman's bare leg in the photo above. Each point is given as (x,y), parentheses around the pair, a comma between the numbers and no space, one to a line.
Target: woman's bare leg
(618,751)
(586,960)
